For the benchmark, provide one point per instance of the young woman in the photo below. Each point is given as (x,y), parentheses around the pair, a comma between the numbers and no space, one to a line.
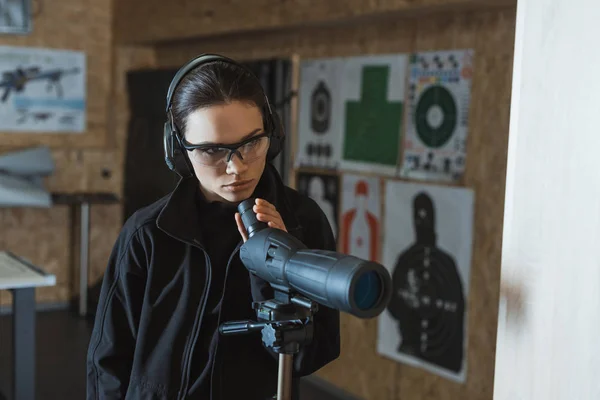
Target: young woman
(175,275)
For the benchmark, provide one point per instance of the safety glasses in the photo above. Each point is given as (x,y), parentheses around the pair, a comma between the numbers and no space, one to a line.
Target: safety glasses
(218,155)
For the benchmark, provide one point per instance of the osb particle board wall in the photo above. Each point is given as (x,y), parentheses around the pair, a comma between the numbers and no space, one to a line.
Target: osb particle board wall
(491,33)
(92,161)
(152,21)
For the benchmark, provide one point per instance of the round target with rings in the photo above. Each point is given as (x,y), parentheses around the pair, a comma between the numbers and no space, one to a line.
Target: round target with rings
(436,116)
(320,108)
(427,299)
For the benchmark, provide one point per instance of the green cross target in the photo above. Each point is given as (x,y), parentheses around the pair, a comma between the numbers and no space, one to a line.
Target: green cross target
(372,123)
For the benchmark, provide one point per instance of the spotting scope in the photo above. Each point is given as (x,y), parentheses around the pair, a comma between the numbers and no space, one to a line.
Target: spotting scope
(340,281)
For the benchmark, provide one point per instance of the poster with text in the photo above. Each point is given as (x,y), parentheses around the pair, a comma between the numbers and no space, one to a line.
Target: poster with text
(427,250)
(360,216)
(42,90)
(324,190)
(320,116)
(373,92)
(439,96)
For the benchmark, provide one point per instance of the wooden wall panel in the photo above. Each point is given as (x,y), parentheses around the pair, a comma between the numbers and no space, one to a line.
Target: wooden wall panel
(156,20)
(106,220)
(84,162)
(90,162)
(491,33)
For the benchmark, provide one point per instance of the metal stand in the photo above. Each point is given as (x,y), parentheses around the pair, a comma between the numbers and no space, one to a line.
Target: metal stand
(284,375)
(81,204)
(24,343)
(84,256)
(286,323)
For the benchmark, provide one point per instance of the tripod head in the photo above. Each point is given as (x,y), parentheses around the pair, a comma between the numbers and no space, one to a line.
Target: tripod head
(286,324)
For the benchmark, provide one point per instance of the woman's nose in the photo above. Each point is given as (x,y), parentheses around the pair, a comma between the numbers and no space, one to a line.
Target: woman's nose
(236,165)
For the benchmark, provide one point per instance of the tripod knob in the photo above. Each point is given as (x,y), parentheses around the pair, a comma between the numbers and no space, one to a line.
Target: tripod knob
(271,337)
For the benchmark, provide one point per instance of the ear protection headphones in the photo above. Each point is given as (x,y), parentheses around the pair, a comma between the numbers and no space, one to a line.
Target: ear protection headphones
(175,154)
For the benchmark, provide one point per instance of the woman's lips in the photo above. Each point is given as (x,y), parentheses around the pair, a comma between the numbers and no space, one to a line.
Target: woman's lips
(239,185)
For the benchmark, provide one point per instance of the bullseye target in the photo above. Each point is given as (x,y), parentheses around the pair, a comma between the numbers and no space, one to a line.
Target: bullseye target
(439,96)
(436,116)
(321,108)
(427,249)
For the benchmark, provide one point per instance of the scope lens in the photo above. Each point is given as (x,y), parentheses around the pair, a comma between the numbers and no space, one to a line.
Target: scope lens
(367,290)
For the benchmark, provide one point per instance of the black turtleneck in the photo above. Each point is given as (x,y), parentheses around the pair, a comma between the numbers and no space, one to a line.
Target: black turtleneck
(219,238)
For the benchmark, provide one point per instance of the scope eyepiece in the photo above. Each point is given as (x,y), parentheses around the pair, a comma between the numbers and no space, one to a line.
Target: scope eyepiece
(251,223)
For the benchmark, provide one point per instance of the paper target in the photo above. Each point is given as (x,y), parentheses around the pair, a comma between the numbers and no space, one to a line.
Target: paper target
(427,250)
(351,113)
(324,189)
(360,216)
(373,93)
(319,114)
(437,126)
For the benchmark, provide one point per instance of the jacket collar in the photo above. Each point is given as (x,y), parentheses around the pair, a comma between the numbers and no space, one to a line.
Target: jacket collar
(179,216)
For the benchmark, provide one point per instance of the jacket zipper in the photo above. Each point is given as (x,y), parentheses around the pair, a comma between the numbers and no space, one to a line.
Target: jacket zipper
(212,371)
(189,351)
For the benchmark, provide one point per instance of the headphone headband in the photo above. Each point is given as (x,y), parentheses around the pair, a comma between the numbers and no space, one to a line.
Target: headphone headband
(204,59)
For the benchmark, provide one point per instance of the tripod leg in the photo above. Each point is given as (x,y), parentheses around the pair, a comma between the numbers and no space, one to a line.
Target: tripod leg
(284,379)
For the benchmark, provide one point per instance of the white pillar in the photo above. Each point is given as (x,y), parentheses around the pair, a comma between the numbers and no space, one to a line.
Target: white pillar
(548,345)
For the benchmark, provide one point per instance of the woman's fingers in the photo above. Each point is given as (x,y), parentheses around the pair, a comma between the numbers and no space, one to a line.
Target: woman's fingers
(266,212)
(263,202)
(241,227)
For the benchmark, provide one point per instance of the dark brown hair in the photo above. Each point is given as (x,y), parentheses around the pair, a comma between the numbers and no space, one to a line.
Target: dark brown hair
(214,83)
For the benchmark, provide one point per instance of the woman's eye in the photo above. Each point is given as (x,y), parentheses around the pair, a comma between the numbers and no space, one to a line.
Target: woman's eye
(210,152)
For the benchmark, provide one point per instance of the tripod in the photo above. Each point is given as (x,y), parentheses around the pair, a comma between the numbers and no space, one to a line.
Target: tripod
(286,322)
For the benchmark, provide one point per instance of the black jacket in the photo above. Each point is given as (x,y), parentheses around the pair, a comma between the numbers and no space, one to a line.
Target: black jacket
(151,306)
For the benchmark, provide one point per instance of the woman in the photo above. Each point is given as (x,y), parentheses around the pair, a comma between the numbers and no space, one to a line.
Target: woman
(175,275)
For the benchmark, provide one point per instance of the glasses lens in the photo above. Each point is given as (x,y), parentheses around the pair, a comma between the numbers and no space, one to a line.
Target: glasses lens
(254,149)
(210,157)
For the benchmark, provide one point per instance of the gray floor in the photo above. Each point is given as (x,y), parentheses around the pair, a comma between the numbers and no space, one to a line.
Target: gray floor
(62,340)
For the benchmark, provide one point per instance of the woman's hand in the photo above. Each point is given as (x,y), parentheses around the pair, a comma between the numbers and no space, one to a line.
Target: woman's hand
(265,212)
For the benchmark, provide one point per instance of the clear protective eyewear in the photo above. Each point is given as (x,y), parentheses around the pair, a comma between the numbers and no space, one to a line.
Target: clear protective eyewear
(218,155)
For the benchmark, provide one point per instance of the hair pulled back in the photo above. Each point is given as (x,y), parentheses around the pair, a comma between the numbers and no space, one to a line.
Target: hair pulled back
(215,83)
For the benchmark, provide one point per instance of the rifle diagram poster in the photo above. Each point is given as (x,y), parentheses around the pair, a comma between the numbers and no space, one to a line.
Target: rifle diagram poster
(360,216)
(439,95)
(351,113)
(427,250)
(324,190)
(42,90)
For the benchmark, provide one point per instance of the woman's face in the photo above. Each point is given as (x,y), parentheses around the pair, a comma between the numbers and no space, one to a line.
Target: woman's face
(231,123)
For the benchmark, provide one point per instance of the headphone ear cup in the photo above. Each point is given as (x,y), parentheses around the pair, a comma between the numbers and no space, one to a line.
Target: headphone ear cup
(277,136)
(175,156)
(168,146)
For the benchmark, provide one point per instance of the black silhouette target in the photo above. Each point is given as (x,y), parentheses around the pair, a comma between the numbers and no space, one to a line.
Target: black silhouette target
(428,300)
(436,116)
